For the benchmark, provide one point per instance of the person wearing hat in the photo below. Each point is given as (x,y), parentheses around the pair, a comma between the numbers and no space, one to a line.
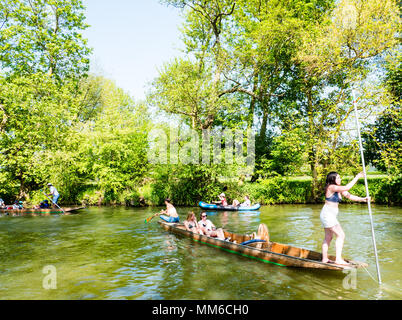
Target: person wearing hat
(222,200)
(54,193)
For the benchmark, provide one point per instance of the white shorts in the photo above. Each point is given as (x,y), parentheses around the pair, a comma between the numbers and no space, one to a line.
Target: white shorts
(328,216)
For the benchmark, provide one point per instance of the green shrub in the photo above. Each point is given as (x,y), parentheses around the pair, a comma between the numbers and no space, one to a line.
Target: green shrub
(292,191)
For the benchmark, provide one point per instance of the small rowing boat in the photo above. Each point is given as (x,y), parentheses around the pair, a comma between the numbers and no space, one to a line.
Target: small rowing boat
(262,250)
(39,212)
(211,206)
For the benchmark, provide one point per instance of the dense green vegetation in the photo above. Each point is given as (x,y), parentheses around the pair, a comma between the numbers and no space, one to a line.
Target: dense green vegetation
(283,69)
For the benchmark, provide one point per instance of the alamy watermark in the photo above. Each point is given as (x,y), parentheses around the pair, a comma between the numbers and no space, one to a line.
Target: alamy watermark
(205,147)
(50,280)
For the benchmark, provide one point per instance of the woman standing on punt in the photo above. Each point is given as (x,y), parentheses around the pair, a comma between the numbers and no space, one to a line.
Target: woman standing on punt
(333,189)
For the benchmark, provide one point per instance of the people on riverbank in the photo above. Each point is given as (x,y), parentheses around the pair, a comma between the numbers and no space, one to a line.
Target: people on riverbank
(209,229)
(54,193)
(170,214)
(328,216)
(191,224)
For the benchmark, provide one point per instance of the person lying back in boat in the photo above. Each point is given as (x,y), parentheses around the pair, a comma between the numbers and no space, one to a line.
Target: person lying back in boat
(328,216)
(170,214)
(222,200)
(209,229)
(191,224)
(43,205)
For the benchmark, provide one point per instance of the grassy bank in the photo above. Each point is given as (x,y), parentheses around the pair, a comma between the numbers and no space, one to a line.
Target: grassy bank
(278,190)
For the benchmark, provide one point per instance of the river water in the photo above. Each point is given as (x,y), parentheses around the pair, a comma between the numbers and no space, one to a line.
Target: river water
(111,253)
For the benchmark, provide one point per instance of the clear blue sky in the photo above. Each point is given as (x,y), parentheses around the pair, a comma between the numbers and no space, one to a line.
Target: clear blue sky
(131,39)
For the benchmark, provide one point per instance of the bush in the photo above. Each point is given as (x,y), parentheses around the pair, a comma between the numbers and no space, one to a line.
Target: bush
(280,190)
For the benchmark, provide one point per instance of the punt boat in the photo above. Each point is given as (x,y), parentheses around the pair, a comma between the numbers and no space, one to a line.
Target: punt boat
(263,250)
(41,212)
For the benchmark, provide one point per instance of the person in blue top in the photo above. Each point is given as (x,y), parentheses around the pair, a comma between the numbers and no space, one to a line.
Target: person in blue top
(54,193)
(328,216)
(44,204)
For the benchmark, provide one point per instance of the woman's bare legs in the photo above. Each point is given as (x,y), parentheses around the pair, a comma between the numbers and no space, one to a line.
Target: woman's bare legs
(340,239)
(325,244)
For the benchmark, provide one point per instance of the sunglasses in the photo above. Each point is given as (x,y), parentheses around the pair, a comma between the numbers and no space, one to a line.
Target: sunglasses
(203,216)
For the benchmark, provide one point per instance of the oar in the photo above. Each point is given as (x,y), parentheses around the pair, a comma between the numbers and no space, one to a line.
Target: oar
(53,202)
(151,217)
(367,191)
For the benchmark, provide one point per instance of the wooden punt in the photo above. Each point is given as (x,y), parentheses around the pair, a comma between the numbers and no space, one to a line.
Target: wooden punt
(40,212)
(272,252)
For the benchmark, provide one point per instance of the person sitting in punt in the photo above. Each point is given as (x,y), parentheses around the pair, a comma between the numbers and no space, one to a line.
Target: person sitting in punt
(170,214)
(209,229)
(17,205)
(2,204)
(191,224)
(44,204)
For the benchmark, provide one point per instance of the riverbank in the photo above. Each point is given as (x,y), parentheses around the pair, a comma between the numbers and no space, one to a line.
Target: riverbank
(278,190)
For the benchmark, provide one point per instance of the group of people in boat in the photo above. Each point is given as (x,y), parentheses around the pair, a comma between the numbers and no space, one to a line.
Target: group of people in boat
(204,226)
(236,203)
(45,204)
(328,215)
(17,205)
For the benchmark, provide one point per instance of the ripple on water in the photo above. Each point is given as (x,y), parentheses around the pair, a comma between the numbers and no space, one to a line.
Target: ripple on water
(110,253)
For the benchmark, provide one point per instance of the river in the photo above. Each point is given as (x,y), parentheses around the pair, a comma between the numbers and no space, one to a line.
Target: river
(111,253)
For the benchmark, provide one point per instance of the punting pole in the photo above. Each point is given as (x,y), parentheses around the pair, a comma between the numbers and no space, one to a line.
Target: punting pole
(366,185)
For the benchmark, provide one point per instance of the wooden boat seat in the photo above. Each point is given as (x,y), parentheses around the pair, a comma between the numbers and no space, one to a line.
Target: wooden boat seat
(277,247)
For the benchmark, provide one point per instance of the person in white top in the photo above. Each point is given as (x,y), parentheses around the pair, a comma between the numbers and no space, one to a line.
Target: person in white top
(247,202)
(54,193)
(209,229)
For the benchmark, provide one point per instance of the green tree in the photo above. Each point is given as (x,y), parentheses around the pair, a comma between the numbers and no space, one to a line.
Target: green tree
(335,55)
(43,36)
(384,137)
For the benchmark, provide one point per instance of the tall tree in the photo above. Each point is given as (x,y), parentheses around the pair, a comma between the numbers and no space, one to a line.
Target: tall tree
(336,55)
(43,36)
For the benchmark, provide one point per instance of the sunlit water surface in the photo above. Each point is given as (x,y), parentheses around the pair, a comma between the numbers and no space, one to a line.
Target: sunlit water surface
(110,253)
